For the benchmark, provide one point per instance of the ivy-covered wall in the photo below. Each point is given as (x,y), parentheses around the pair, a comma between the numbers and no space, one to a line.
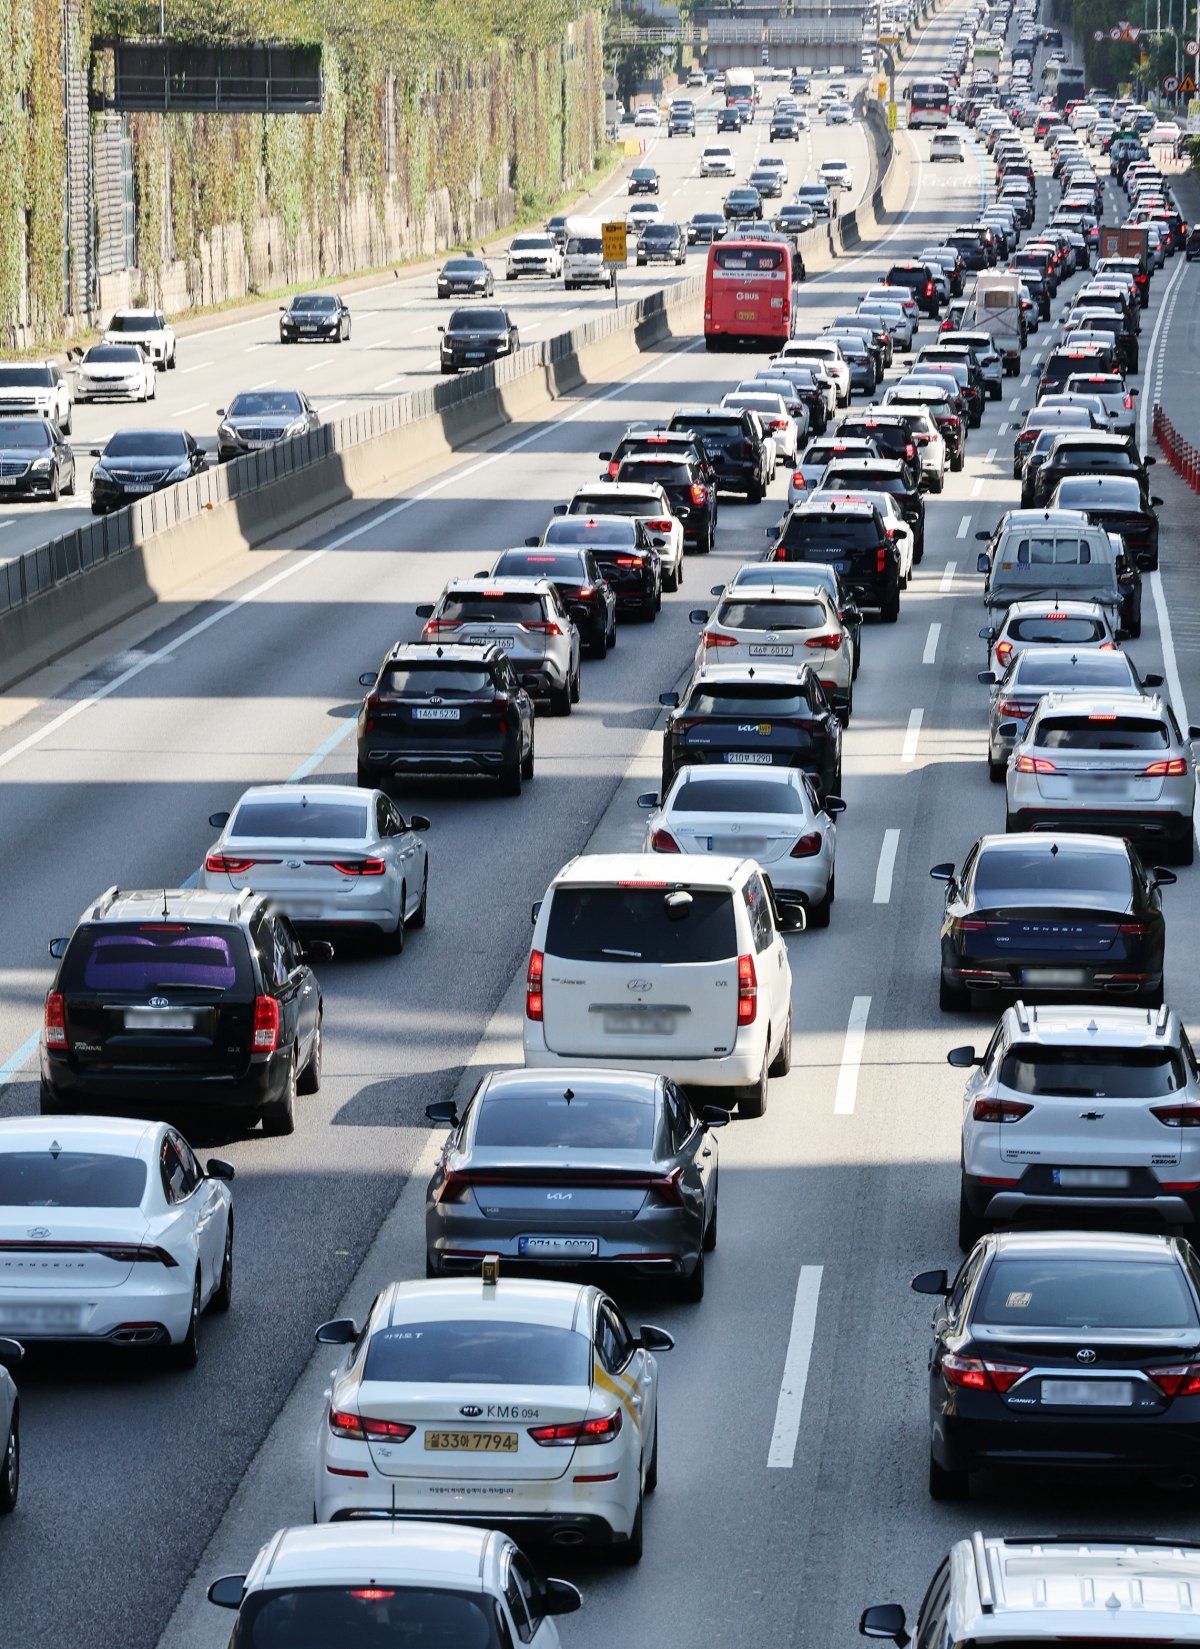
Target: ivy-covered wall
(443,120)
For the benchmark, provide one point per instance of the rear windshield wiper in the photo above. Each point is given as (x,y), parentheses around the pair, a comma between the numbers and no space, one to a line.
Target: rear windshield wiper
(606,950)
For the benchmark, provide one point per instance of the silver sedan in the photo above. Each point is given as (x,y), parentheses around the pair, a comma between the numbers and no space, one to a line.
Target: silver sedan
(11,1353)
(328,855)
(772,815)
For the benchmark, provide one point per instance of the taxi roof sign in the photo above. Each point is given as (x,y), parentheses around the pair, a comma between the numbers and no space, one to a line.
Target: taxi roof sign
(613,238)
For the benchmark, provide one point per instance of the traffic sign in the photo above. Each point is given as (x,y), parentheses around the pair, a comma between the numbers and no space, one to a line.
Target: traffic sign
(1132,31)
(1097,34)
(1187,85)
(614,242)
(1170,83)
(891,117)
(1192,47)
(1114,34)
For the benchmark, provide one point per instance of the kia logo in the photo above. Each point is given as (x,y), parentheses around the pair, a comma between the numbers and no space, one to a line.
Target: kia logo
(1085,1356)
(158,1001)
(470,1411)
(641,986)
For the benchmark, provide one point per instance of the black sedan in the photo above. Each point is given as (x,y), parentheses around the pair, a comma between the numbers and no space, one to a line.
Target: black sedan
(473,336)
(1090,452)
(314,317)
(579,579)
(794,219)
(1055,1349)
(743,206)
(1115,503)
(756,716)
(785,127)
(1040,914)
(661,243)
(643,180)
(766,181)
(34,459)
(139,461)
(704,228)
(729,119)
(464,278)
(260,417)
(607,1168)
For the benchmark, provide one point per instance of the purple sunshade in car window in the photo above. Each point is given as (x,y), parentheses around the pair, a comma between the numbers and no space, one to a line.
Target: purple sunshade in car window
(128,962)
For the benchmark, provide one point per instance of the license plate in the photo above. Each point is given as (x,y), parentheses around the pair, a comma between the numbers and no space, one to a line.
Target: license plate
(1091,1179)
(560,1248)
(8,480)
(630,1022)
(473,355)
(42,1319)
(770,649)
(749,758)
(1106,1394)
(139,486)
(745,315)
(159,1019)
(436,715)
(472,1442)
(1053,979)
(507,642)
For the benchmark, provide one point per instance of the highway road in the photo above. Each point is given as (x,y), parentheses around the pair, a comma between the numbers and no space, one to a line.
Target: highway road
(393,345)
(792,1487)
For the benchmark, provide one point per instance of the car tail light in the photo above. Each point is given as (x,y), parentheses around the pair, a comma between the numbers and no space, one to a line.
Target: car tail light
(832,640)
(435,626)
(55,1021)
(1128,402)
(351,867)
(577,1433)
(1003,651)
(929,289)
(798,481)
(668,1187)
(361,1428)
(659,526)
(910,450)
(1035,764)
(979,1376)
(584,593)
(699,493)
(747,990)
(545,626)
(747,449)
(1173,767)
(231,866)
(372,705)
(629,561)
(454,1187)
(662,841)
(1015,707)
(613,466)
(881,559)
(991,1109)
(1178,1380)
(806,845)
(1177,1116)
(714,638)
(533,985)
(266,1025)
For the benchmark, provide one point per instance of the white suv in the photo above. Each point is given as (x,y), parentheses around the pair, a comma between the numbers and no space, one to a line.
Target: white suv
(1090,1108)
(1044,1590)
(38,388)
(533,254)
(678,969)
(148,327)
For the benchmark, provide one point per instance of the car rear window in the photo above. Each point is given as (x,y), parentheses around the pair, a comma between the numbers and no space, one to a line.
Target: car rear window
(583,1121)
(1050,868)
(663,475)
(539,564)
(772,615)
(144,956)
(610,506)
(1086,1294)
(1102,732)
(70,1179)
(307,816)
(743,796)
(1051,552)
(1091,670)
(832,532)
(594,531)
(1093,1073)
(869,478)
(718,429)
(635,924)
(493,606)
(1118,492)
(1056,628)
(315,1617)
(448,681)
(495,1353)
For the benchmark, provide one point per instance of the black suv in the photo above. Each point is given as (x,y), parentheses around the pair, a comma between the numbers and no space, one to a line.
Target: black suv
(735,446)
(890,433)
(445,709)
(852,539)
(472,336)
(1091,452)
(693,500)
(176,1000)
(578,578)
(765,714)
(918,280)
(883,475)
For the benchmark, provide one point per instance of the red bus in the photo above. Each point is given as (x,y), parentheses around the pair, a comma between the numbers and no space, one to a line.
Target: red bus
(928,103)
(748,293)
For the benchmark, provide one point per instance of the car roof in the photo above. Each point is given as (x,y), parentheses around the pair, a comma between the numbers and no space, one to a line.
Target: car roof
(297,793)
(517,1298)
(391,1550)
(814,589)
(1020,841)
(1147,705)
(512,585)
(623,489)
(442,652)
(1074,609)
(1066,1025)
(169,904)
(1084,1244)
(582,1082)
(130,1135)
(649,870)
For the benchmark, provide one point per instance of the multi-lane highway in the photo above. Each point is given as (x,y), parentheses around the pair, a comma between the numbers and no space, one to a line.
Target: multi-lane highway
(793,1459)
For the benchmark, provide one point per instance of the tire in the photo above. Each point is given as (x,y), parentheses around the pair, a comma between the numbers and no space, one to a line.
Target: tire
(939,487)
(752,1102)
(890,612)
(576,685)
(970,1226)
(997,771)
(957,461)
(820,912)
(56,490)
(48,1106)
(527,761)
(649,608)
(652,1468)
(68,423)
(365,777)
(691,1288)
(10,1466)
(561,701)
(69,492)
(612,633)
(420,916)
(1184,850)
(186,1354)
(782,1063)
(511,779)
(630,1551)
(952,998)
(171,362)
(670,583)
(944,1485)
(756,493)
(309,1080)
(598,646)
(280,1119)
(223,1296)
(1151,998)
(393,942)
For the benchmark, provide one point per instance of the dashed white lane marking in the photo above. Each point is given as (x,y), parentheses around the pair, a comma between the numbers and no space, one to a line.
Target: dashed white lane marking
(846,1095)
(887,864)
(964,527)
(929,656)
(977,486)
(948,572)
(183,411)
(790,1406)
(912,735)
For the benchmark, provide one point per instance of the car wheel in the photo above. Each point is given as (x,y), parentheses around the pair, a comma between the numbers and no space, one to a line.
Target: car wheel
(186,1354)
(309,1080)
(890,611)
(670,582)
(280,1118)
(752,1102)
(1152,998)
(393,942)
(952,998)
(10,1466)
(630,1551)
(48,1106)
(511,777)
(598,646)
(650,607)
(756,493)
(69,492)
(652,1468)
(944,1485)
(55,489)
(1183,852)
(576,684)
(366,777)
(68,422)
(938,482)
(420,916)
(820,911)
(561,701)
(223,1295)
(782,1063)
(527,763)
(171,362)
(710,1230)
(957,462)
(691,1287)
(997,770)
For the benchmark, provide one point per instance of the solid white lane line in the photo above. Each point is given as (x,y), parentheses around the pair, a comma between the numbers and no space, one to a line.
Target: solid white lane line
(912,734)
(977,486)
(887,864)
(390,383)
(852,1053)
(199,367)
(795,1369)
(333,406)
(948,573)
(931,644)
(964,527)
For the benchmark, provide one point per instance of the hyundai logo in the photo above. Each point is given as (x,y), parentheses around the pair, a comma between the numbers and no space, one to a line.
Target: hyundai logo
(470,1411)
(38,1231)
(1085,1356)
(641,986)
(294,864)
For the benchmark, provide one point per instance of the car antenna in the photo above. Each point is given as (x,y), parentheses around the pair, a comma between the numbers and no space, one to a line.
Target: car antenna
(568,1094)
(164,904)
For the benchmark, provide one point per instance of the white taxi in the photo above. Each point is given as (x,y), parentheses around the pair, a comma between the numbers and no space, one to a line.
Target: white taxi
(525,1405)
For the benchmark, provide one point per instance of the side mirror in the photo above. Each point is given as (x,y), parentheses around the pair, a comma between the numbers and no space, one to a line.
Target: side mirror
(717,589)
(1133,392)
(419,822)
(963,1058)
(367,679)
(535,910)
(58,948)
(560,509)
(648,799)
(834,805)
(95,452)
(987,677)
(219,820)
(218,1168)
(987,633)
(444,1111)
(669,701)
(342,1331)
(942,873)
(983,563)
(1155,501)
(11,1353)
(1163,877)
(931,1282)
(227,1592)
(884,1620)
(318,950)
(698,615)
(283,309)
(1150,459)
(604,457)
(790,916)
(532,543)
(1193,731)
(559,1597)
(425,610)
(1152,681)
(1008,729)
(579,615)
(220,412)
(712,1116)
(851,614)
(984,537)
(441,328)
(655,1339)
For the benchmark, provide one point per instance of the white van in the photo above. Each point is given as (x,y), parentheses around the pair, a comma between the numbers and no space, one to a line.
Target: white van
(583,254)
(678,969)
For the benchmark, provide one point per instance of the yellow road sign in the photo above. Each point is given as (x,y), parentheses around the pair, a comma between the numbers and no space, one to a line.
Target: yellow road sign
(891,117)
(614,243)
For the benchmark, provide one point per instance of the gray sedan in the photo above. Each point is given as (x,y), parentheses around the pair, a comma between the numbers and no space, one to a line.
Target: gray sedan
(1015,695)
(578,1169)
(10,1435)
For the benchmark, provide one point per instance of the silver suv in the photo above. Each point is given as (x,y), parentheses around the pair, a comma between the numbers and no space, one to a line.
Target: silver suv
(524,616)
(1016,693)
(1043,1590)
(1079,1108)
(1103,762)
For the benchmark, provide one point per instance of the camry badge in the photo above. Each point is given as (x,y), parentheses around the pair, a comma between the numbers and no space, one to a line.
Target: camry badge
(470,1411)
(1085,1356)
(641,986)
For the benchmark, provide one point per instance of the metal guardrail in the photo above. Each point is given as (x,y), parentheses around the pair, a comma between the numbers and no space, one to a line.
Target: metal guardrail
(821,29)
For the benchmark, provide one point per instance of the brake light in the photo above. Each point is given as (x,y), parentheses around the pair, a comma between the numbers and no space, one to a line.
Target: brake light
(584,593)
(807,845)
(798,481)
(747,990)
(668,1187)
(910,450)
(435,626)
(699,493)
(833,639)
(372,1594)
(1128,402)
(352,867)
(372,705)
(881,559)
(55,1021)
(929,289)
(454,1187)
(577,1433)
(1014,707)
(714,638)
(533,985)
(1173,767)
(547,626)
(979,1376)
(1180,1380)
(613,467)
(778,423)
(266,1025)
(1003,651)
(1035,764)
(231,866)
(1132,930)
(659,526)
(1000,1110)
(662,841)
(360,1428)
(1177,1116)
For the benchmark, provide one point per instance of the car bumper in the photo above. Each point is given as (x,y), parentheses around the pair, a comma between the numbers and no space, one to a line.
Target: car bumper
(296,335)
(1140,1443)
(1120,977)
(663,1241)
(1004,1204)
(129,1091)
(383,759)
(1141,824)
(323,907)
(144,1311)
(107,392)
(739,1069)
(109,497)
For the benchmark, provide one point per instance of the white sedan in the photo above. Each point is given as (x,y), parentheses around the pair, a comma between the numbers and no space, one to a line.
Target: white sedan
(642,212)
(836,174)
(111,1230)
(494,1401)
(119,372)
(329,855)
(777,420)
(772,815)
